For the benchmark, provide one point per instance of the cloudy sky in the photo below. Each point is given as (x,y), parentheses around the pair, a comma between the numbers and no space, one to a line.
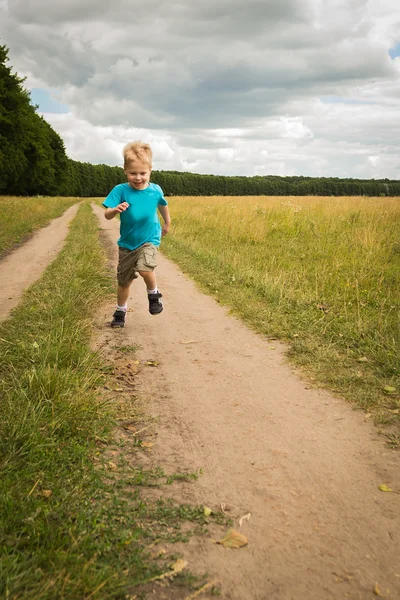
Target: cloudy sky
(235,87)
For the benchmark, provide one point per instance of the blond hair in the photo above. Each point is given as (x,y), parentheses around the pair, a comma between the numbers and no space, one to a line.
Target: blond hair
(137,151)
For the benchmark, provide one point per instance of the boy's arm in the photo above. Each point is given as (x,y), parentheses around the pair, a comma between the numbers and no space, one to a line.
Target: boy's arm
(164,210)
(110,213)
(114,203)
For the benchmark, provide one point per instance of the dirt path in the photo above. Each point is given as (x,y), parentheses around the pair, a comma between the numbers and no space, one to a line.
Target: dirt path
(303,463)
(25,265)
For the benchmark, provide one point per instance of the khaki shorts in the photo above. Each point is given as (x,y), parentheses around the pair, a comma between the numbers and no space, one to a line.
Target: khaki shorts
(143,258)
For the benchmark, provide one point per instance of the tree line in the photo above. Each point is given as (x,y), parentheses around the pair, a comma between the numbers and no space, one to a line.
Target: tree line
(192,184)
(33,161)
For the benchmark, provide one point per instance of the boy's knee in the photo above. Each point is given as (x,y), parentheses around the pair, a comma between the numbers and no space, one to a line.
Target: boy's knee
(145,272)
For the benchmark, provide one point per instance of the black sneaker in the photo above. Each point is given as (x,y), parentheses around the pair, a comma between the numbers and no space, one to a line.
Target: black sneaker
(119,318)
(155,303)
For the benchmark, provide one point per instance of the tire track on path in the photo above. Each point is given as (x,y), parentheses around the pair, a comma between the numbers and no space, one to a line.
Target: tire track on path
(23,266)
(302,462)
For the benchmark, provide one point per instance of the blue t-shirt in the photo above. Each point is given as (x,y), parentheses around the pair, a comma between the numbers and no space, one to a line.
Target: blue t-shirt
(139,222)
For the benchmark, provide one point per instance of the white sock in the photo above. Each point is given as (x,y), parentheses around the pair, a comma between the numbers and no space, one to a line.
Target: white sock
(152,291)
(124,307)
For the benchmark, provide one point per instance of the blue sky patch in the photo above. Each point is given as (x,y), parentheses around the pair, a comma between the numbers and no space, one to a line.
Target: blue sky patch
(393,52)
(46,102)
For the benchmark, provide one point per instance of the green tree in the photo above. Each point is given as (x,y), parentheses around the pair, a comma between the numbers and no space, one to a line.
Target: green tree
(15,112)
(32,154)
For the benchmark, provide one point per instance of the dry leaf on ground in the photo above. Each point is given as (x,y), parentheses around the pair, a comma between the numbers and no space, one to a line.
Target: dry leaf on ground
(130,427)
(225,508)
(46,493)
(389,389)
(244,518)
(176,568)
(234,539)
(384,488)
(323,307)
(147,444)
(197,593)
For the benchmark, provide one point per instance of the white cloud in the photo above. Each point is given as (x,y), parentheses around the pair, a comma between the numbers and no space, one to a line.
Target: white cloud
(374,160)
(284,86)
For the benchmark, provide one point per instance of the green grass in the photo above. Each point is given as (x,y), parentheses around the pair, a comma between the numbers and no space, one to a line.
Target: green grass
(73,524)
(320,273)
(21,216)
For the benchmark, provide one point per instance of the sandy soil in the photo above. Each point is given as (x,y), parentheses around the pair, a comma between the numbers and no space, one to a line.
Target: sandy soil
(23,266)
(300,461)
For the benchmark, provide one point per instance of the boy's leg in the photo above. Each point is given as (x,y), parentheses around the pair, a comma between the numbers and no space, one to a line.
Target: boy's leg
(126,273)
(147,262)
(122,306)
(120,313)
(154,296)
(150,279)
(122,295)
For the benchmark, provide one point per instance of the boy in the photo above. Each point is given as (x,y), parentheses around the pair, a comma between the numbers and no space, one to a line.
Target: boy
(137,202)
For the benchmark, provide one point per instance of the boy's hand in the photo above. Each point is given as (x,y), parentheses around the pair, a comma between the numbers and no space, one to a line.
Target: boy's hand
(165,229)
(122,207)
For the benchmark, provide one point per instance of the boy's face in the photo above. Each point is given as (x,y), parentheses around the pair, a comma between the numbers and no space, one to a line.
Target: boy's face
(138,174)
